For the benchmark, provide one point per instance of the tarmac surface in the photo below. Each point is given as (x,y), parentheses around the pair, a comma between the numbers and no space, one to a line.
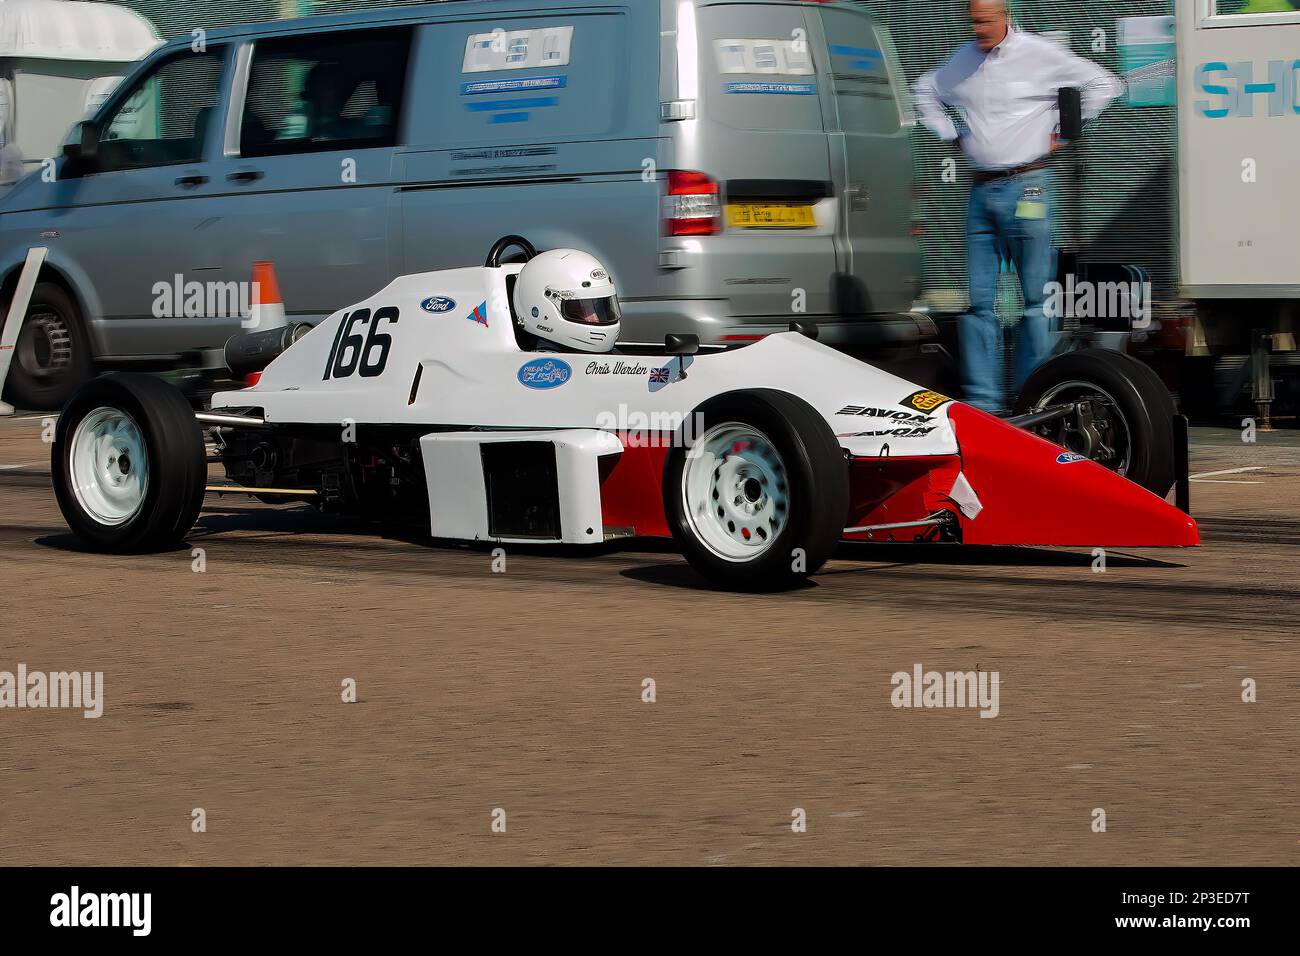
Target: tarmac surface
(480,692)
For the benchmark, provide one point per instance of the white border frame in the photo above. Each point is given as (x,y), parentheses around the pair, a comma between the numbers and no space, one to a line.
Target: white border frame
(1207,19)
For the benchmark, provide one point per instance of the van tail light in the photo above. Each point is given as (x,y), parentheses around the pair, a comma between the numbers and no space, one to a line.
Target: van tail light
(692,205)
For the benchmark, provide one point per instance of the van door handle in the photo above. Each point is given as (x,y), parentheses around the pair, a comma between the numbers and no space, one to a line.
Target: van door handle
(189,182)
(246,176)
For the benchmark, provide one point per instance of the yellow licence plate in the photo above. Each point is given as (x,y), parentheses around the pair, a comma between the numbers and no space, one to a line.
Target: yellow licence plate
(770,215)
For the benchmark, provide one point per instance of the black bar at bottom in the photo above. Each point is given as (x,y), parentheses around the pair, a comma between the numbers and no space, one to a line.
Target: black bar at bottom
(117,905)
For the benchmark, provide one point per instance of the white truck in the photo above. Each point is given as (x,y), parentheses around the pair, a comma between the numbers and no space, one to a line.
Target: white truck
(1239,195)
(59,59)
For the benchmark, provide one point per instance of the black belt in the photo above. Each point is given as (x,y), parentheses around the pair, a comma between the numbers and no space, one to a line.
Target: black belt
(990,175)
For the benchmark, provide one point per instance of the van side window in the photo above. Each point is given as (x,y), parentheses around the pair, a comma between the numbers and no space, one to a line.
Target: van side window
(164,119)
(1221,8)
(325,91)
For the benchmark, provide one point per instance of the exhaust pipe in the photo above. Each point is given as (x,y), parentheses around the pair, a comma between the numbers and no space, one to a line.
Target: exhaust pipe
(229,421)
(251,352)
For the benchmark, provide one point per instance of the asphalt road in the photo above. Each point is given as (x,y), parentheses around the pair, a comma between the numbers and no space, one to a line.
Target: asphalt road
(522,691)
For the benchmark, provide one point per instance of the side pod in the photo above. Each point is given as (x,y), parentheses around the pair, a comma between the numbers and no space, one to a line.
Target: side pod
(1035,493)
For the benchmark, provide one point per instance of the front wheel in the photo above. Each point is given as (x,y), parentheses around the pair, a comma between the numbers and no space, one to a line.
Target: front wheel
(759,499)
(1122,418)
(129,464)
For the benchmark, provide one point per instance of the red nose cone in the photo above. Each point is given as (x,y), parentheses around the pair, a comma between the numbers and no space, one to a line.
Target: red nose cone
(1036,493)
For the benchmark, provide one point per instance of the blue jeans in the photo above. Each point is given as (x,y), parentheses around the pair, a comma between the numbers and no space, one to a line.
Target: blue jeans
(994,232)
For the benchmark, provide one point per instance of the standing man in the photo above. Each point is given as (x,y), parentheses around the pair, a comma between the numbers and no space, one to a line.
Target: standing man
(1003,85)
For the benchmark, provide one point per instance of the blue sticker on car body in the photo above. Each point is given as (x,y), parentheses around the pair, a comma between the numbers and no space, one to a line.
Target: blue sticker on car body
(1069,458)
(545,373)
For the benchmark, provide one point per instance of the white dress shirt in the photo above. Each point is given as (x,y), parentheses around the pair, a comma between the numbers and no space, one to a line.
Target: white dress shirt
(1007,97)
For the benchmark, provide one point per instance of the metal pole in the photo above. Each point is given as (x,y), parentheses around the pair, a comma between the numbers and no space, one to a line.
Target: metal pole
(1261,366)
(17,313)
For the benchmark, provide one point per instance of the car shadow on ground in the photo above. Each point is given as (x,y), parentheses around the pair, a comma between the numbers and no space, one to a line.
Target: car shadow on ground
(304,520)
(67,541)
(294,519)
(213,523)
(876,558)
(682,575)
(907,553)
(871,557)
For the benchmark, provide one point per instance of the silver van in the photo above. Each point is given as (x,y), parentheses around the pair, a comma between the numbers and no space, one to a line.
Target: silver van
(737,165)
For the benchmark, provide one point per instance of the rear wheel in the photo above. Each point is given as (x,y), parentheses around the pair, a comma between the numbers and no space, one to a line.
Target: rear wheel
(52,357)
(759,500)
(128,464)
(1123,415)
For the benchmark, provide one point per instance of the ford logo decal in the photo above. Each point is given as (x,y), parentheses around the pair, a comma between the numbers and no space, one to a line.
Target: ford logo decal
(1070,457)
(438,303)
(545,373)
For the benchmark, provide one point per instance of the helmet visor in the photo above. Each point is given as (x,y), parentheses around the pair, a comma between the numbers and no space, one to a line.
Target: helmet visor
(592,311)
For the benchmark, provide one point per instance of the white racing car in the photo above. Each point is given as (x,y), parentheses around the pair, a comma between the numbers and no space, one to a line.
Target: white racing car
(449,397)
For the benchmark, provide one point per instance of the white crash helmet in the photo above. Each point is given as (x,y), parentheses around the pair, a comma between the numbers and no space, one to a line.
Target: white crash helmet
(567,297)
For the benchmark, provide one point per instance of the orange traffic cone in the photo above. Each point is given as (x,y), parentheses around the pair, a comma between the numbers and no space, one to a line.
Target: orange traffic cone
(267,310)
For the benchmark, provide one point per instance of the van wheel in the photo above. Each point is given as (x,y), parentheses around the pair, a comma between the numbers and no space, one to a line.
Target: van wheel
(1126,422)
(52,355)
(759,500)
(128,464)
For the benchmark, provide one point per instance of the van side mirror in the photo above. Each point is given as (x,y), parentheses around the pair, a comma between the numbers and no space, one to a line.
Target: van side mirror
(678,343)
(85,147)
(1069,100)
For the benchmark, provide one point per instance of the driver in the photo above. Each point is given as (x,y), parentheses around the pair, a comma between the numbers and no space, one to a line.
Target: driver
(566,299)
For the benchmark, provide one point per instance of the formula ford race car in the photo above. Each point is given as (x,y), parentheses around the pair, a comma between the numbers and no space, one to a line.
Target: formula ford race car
(427,402)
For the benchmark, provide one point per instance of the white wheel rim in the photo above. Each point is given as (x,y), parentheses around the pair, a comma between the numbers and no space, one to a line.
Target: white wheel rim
(735,492)
(109,466)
